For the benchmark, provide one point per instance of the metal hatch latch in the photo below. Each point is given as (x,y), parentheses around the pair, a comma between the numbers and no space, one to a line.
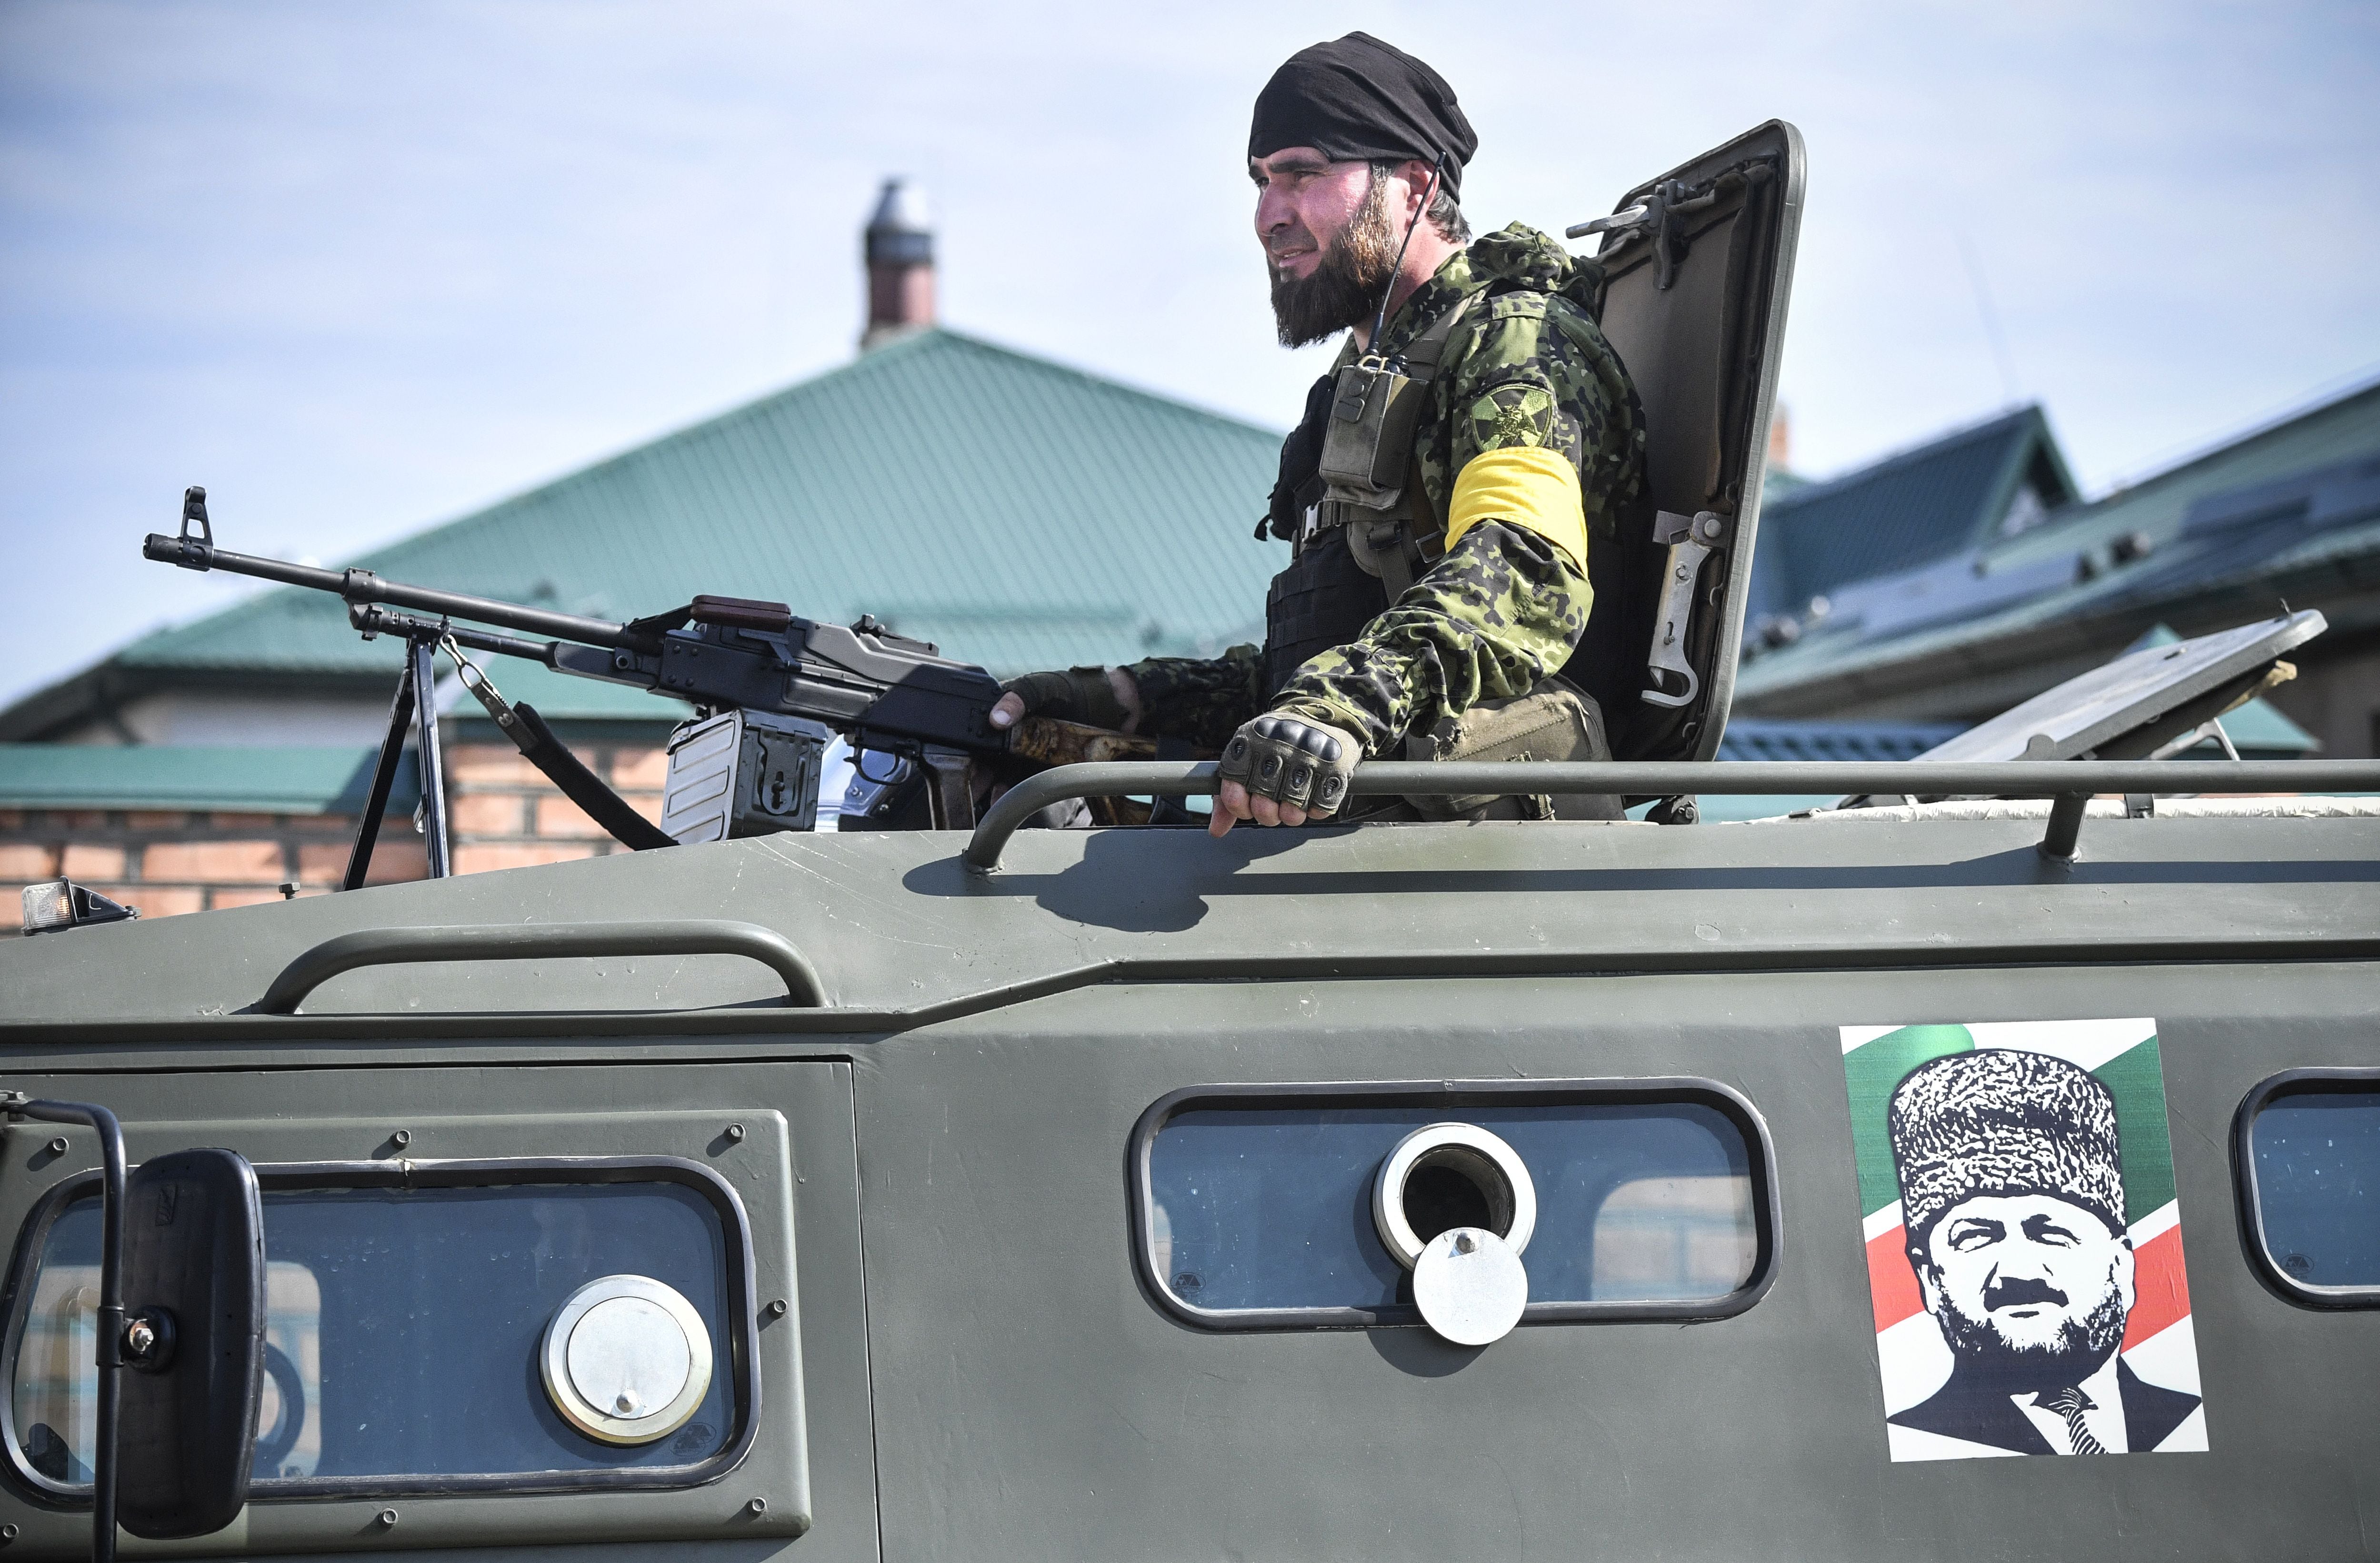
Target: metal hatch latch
(1671,680)
(1661,215)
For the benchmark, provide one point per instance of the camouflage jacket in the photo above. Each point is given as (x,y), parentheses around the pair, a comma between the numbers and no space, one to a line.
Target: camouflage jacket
(1527,366)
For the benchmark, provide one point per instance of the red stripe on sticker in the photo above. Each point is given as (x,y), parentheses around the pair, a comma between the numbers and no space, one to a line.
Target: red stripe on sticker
(2160,1285)
(1891,1282)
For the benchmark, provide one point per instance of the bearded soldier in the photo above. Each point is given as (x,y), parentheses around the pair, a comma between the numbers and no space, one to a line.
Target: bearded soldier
(1441,492)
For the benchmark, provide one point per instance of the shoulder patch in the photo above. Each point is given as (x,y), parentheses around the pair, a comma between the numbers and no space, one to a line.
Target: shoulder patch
(1517,306)
(1519,414)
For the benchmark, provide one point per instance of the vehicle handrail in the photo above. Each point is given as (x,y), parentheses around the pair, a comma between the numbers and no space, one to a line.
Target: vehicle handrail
(506,941)
(2075,779)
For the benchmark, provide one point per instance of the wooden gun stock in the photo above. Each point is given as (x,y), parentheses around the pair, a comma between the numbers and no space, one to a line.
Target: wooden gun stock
(1047,742)
(1042,741)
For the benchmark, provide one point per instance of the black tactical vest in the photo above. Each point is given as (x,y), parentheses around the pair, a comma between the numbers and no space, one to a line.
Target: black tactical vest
(1349,498)
(1324,598)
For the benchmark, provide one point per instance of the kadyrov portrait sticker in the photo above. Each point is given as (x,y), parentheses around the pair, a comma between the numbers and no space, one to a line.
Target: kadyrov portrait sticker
(2023,1241)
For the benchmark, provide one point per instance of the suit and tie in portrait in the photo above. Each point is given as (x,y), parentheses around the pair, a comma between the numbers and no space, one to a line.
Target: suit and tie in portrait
(2013,1224)
(2012,1192)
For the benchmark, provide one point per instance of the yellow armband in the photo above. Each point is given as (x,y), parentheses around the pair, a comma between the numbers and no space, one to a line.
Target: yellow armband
(1522,486)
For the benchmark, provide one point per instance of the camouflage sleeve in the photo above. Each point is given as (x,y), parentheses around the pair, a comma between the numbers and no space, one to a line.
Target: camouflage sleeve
(1498,613)
(1538,372)
(1503,608)
(1200,699)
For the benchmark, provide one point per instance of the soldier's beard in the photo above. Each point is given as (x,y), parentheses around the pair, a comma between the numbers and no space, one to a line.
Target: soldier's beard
(2081,1347)
(1344,288)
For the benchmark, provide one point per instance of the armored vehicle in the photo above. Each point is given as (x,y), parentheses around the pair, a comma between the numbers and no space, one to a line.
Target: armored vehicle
(1467,1188)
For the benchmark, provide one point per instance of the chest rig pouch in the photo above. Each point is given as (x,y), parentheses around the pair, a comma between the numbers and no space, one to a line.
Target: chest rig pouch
(1372,491)
(1371,480)
(1554,722)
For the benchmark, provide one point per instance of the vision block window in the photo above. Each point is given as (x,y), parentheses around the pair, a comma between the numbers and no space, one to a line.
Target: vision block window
(56,1408)
(2309,1161)
(407,1330)
(1257,1205)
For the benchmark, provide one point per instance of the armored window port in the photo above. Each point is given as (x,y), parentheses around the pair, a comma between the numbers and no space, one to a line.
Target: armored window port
(1455,1205)
(1452,1187)
(615,1358)
(2281,1205)
(1412,1164)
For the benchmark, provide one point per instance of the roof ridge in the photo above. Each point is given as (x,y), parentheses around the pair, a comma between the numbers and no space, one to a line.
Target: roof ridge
(2199,455)
(905,345)
(1166,399)
(867,366)
(486,513)
(908,344)
(2031,414)
(2082,515)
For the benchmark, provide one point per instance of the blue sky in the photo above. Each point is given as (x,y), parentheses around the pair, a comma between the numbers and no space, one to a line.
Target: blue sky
(360,269)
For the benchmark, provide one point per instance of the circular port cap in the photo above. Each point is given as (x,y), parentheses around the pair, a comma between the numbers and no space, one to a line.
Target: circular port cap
(626,1360)
(1477,1157)
(1470,1286)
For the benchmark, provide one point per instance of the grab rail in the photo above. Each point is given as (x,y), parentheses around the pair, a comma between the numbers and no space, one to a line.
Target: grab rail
(505,941)
(2077,780)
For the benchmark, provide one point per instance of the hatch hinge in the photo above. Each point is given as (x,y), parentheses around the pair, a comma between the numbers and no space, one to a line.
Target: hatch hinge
(1663,210)
(1661,215)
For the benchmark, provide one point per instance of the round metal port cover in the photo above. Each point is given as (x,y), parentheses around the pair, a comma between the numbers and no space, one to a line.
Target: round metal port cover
(626,1360)
(1397,1234)
(1470,1286)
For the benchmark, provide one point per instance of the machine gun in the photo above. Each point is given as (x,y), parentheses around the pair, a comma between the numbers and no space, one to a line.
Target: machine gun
(767,685)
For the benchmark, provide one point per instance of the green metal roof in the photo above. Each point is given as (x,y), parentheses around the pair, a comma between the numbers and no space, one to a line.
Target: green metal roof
(1918,505)
(1019,514)
(238,778)
(2334,431)
(2174,570)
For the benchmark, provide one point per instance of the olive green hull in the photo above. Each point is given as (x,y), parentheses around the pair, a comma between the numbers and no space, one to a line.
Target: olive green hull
(936,1169)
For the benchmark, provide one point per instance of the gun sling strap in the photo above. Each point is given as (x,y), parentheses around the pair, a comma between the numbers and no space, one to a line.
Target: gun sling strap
(539,746)
(589,791)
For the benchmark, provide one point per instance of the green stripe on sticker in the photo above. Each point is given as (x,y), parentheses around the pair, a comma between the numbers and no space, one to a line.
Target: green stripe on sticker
(2144,1140)
(1873,1068)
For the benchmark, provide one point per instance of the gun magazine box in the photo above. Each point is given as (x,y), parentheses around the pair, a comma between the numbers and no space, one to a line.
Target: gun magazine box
(742,773)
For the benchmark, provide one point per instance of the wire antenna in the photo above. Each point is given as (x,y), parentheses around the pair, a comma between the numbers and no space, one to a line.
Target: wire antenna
(1380,316)
(1991,317)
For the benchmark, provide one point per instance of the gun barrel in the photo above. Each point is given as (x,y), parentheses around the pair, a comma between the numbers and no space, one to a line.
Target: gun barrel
(364,586)
(372,619)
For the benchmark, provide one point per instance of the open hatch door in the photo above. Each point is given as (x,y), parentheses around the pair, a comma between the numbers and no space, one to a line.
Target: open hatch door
(1699,263)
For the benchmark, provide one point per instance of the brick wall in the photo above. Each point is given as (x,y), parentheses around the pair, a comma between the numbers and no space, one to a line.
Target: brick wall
(168,863)
(502,814)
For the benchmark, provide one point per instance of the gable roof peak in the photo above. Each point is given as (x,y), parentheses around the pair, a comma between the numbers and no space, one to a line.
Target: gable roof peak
(929,483)
(2030,418)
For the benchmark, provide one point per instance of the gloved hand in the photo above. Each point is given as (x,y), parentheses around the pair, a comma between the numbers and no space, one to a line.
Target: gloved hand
(1282,769)
(1088,696)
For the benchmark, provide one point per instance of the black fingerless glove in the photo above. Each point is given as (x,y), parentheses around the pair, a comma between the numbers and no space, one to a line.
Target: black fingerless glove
(1292,758)
(1078,695)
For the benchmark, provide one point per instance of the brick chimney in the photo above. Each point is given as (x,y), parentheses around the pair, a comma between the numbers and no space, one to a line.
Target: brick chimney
(1780,440)
(899,250)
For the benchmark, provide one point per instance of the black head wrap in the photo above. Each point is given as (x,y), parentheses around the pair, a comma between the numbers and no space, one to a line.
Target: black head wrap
(1359,100)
